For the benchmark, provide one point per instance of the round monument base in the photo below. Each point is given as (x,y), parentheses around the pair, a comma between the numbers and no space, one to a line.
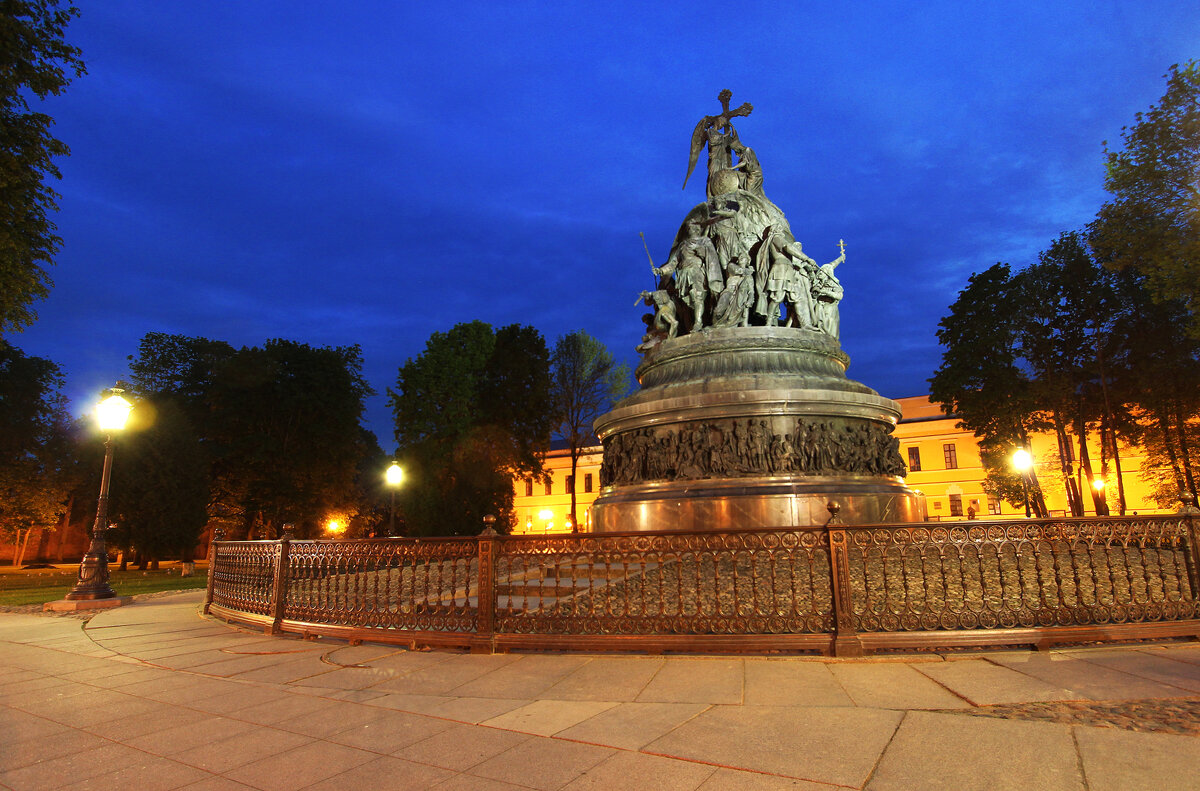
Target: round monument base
(725,504)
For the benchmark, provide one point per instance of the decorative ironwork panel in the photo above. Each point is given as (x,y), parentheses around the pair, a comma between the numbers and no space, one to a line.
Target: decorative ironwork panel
(739,582)
(1009,574)
(424,585)
(242,575)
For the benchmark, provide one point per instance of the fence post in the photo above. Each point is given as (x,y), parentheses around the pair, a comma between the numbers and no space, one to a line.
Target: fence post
(279,585)
(1192,556)
(845,636)
(217,535)
(485,599)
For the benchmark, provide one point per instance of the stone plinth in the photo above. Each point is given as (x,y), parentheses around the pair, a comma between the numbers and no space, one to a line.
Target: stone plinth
(749,427)
(75,605)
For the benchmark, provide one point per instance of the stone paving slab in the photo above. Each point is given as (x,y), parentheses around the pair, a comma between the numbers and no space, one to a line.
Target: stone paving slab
(1115,760)
(1091,680)
(946,752)
(835,745)
(772,682)
(154,696)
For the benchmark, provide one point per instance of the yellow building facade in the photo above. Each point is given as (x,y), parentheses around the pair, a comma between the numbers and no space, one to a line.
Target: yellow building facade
(943,464)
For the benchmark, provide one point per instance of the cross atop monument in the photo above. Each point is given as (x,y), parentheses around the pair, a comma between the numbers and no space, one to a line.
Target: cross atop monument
(720,122)
(743,111)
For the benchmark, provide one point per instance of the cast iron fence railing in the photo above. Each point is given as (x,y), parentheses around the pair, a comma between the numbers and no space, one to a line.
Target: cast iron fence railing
(829,589)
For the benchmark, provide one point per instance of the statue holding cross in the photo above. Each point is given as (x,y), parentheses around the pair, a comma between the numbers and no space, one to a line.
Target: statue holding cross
(718,132)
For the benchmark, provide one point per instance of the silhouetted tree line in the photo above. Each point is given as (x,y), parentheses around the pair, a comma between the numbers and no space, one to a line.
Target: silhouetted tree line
(1101,337)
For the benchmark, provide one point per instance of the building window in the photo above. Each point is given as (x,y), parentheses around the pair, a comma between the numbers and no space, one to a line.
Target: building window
(956,505)
(587,482)
(914,459)
(549,486)
(951,455)
(570,483)
(993,505)
(529,487)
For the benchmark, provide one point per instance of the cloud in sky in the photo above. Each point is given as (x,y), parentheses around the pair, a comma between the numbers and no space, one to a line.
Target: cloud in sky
(377,172)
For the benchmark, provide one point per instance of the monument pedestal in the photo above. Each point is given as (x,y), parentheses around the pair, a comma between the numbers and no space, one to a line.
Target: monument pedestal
(749,427)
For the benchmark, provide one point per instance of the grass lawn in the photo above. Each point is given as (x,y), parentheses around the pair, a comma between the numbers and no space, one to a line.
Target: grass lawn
(36,586)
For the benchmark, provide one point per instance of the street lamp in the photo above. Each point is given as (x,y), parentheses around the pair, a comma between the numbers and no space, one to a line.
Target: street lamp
(1022,461)
(111,414)
(394,477)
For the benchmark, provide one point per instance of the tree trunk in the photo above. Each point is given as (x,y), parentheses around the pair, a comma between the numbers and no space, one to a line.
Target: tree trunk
(574,483)
(1164,426)
(19,546)
(1074,501)
(1185,457)
(64,524)
(1108,431)
(1085,470)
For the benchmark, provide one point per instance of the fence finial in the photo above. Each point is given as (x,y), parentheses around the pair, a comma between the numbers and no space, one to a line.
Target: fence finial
(833,507)
(488,521)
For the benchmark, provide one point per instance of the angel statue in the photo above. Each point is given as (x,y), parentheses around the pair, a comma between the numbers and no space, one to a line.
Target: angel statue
(718,132)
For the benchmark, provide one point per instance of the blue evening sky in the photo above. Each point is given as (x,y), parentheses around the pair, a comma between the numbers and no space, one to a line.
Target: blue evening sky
(370,172)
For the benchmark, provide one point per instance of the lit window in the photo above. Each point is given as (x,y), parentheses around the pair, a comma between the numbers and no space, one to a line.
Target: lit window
(587,482)
(549,486)
(951,455)
(570,483)
(993,505)
(914,459)
(529,487)
(956,505)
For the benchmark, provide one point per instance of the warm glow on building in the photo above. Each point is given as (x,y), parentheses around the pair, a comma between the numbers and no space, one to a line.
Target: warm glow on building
(943,464)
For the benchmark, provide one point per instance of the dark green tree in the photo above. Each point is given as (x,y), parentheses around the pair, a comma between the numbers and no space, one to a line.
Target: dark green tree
(35,62)
(1156,366)
(1152,222)
(160,486)
(981,380)
(287,436)
(36,445)
(585,382)
(472,412)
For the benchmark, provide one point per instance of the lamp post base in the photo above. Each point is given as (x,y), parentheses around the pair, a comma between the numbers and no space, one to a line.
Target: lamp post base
(75,605)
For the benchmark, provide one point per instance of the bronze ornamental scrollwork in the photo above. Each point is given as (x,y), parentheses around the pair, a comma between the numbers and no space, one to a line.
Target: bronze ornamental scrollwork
(838,588)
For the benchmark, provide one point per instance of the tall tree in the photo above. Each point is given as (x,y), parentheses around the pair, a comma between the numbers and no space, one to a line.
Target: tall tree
(472,411)
(585,381)
(1152,222)
(981,380)
(286,434)
(35,61)
(35,444)
(161,484)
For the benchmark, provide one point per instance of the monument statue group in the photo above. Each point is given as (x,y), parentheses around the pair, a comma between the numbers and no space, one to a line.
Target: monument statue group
(745,417)
(735,260)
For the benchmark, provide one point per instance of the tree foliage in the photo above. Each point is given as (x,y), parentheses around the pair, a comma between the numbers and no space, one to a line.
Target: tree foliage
(280,426)
(160,484)
(1152,222)
(36,443)
(35,61)
(585,382)
(1073,348)
(472,411)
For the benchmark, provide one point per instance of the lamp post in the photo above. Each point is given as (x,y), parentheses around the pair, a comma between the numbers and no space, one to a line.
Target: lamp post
(111,414)
(1022,461)
(394,477)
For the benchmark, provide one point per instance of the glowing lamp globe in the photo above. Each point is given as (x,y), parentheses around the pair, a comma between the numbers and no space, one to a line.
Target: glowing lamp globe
(112,412)
(1022,460)
(394,475)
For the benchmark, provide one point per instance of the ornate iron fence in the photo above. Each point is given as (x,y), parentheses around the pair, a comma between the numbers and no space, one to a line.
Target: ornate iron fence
(828,589)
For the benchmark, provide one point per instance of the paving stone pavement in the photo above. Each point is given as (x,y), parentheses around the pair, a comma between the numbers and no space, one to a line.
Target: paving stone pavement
(155,696)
